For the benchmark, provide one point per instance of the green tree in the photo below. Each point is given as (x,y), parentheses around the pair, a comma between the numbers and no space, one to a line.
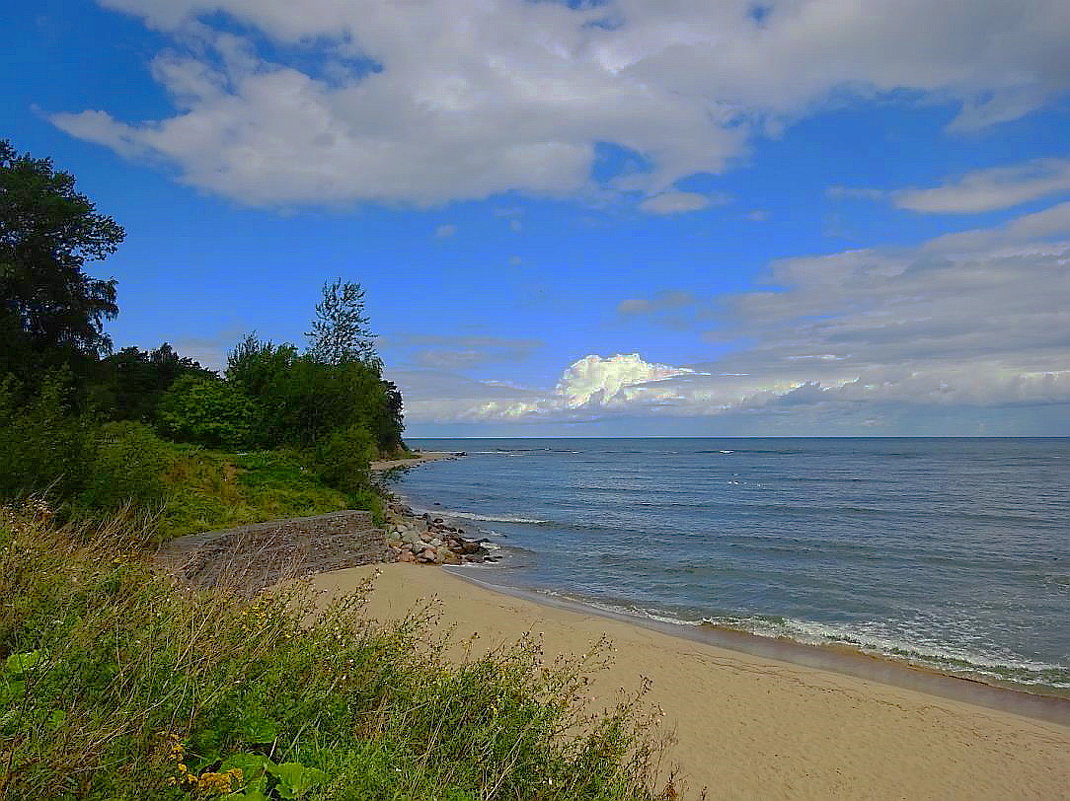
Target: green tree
(44,445)
(51,312)
(341,333)
(129,384)
(207,411)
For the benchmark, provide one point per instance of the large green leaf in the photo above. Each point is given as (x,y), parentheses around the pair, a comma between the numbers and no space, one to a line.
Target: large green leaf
(295,779)
(17,664)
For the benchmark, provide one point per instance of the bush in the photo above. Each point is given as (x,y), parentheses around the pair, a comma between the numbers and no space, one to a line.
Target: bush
(44,446)
(342,458)
(207,411)
(128,468)
(116,685)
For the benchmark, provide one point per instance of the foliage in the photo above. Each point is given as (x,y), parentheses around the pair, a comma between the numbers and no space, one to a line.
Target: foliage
(209,490)
(50,310)
(129,385)
(342,458)
(128,468)
(300,400)
(44,446)
(207,411)
(340,333)
(117,685)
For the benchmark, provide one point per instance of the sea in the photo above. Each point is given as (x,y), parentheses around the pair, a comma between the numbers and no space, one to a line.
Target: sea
(951,554)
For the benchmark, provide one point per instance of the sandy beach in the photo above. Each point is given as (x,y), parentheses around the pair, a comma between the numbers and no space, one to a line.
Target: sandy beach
(421,457)
(751,727)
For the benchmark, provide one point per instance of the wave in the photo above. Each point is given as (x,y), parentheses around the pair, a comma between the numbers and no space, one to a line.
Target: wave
(943,657)
(869,638)
(493,518)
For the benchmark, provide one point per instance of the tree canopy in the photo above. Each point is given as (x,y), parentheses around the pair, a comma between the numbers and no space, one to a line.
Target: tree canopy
(341,333)
(50,309)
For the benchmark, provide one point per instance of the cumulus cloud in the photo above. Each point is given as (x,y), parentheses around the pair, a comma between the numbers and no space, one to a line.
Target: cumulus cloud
(990,189)
(424,103)
(885,329)
(593,380)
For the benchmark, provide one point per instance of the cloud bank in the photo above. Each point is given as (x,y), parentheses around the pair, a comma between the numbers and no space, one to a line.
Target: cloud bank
(341,101)
(977,322)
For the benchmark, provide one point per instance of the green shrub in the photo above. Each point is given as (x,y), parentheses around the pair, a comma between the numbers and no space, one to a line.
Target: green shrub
(342,458)
(116,685)
(44,445)
(206,411)
(128,468)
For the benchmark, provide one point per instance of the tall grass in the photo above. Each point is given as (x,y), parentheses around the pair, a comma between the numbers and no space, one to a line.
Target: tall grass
(117,684)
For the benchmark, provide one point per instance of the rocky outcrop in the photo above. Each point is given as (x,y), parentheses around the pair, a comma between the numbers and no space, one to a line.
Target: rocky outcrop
(431,540)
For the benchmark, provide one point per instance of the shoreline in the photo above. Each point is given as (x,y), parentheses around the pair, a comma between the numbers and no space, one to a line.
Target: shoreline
(421,457)
(897,671)
(756,726)
(836,658)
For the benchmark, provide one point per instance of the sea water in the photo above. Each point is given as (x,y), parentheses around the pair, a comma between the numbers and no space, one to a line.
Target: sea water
(949,553)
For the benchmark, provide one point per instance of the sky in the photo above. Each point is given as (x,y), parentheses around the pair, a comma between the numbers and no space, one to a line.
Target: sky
(618,218)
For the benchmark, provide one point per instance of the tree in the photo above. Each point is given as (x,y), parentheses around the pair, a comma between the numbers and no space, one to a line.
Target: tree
(207,411)
(50,310)
(340,332)
(129,384)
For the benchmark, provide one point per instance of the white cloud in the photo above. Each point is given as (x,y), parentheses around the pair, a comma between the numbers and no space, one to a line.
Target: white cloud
(990,189)
(674,203)
(1053,221)
(444,231)
(933,327)
(425,103)
(593,380)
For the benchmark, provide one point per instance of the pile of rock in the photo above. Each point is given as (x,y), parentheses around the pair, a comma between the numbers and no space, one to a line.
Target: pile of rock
(431,541)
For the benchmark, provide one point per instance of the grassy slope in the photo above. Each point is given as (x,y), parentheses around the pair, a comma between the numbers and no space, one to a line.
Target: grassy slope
(210,490)
(115,684)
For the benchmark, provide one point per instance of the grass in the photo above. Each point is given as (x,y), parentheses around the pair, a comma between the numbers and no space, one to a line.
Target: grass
(208,490)
(117,684)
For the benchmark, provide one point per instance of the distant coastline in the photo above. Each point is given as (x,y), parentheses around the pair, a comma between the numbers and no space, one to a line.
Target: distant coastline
(418,457)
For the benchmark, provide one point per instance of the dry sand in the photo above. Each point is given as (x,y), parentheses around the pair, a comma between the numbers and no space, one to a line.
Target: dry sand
(750,727)
(421,458)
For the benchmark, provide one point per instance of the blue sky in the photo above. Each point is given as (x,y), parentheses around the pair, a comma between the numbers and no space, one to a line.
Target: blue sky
(812,217)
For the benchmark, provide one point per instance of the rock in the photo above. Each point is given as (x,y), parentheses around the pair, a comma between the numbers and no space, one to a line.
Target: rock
(406,556)
(426,537)
(471,546)
(410,537)
(435,542)
(449,557)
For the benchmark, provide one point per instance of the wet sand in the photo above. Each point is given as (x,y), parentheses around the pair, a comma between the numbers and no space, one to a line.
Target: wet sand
(752,726)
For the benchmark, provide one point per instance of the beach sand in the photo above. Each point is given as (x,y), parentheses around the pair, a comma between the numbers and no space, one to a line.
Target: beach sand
(751,727)
(422,457)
